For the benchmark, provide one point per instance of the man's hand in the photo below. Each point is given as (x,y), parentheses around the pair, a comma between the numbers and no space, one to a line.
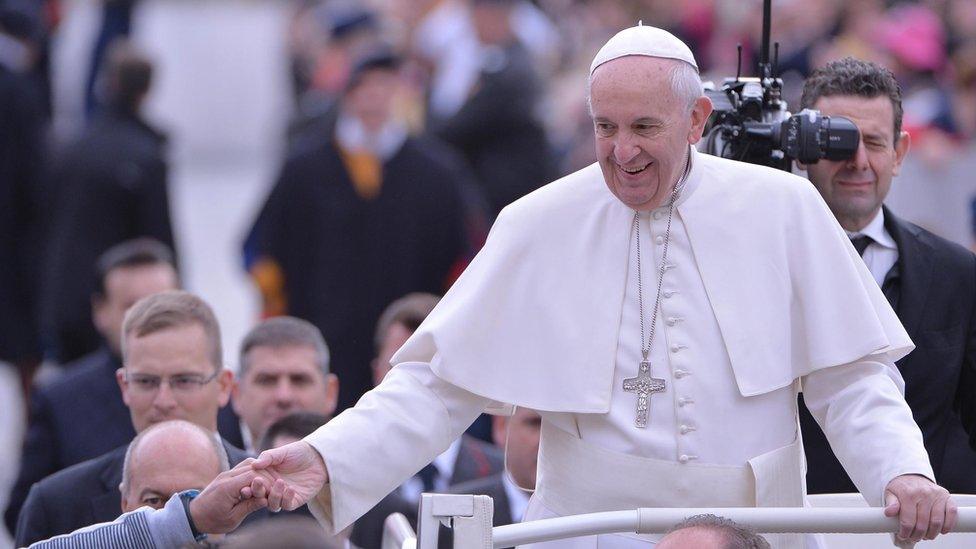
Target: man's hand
(924,508)
(299,466)
(220,508)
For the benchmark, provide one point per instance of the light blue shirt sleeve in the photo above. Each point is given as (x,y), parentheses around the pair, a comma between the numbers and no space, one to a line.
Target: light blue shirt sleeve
(144,528)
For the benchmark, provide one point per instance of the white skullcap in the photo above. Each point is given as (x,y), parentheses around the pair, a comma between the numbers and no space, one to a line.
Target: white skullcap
(644,40)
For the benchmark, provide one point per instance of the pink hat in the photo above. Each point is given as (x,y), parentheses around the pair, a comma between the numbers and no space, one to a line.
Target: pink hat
(914,35)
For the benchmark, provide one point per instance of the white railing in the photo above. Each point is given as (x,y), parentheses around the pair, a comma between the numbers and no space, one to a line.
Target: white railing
(397,533)
(764,520)
(470,518)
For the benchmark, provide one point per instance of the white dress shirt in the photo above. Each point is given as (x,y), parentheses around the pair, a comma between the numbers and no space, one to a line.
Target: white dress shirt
(882,253)
(444,463)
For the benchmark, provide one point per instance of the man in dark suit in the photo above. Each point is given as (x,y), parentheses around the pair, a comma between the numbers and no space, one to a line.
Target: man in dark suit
(468,458)
(510,491)
(930,282)
(106,187)
(172,370)
(81,415)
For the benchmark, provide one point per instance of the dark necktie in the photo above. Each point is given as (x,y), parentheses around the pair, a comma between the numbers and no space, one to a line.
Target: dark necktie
(861,243)
(427,476)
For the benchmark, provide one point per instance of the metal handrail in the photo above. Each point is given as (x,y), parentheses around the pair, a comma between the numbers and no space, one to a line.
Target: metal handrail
(763,520)
(397,533)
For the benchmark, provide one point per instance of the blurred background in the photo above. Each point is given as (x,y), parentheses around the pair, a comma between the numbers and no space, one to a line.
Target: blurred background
(222,92)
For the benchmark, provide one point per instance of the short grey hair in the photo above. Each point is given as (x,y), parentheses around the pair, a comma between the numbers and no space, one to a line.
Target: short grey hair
(285,331)
(685,82)
(214,438)
(736,536)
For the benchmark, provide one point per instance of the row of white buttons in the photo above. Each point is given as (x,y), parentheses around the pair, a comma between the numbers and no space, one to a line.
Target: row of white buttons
(679,373)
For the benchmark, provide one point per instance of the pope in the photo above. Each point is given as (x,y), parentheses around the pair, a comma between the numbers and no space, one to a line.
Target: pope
(661,309)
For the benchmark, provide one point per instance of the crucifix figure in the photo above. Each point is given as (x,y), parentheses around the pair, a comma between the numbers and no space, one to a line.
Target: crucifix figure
(644,385)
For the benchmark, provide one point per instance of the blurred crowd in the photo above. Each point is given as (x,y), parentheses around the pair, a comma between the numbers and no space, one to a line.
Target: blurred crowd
(929,44)
(415,122)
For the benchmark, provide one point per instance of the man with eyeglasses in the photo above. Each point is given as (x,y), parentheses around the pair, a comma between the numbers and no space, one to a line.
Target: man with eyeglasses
(172,369)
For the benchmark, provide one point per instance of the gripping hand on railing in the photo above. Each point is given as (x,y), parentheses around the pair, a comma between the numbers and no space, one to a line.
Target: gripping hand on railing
(300,467)
(924,509)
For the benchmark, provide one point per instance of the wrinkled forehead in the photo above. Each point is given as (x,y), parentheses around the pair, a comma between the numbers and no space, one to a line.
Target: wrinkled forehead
(636,70)
(283,359)
(634,86)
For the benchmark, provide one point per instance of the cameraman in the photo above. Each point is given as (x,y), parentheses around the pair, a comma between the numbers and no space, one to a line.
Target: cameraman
(929,281)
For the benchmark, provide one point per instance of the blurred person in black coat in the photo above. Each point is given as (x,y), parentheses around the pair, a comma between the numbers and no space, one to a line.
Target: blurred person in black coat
(362,213)
(173,369)
(22,126)
(929,281)
(108,186)
(497,128)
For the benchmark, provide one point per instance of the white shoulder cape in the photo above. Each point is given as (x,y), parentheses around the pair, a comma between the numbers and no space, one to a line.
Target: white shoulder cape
(534,319)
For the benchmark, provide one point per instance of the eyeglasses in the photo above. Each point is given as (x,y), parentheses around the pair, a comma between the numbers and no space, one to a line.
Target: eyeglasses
(182,383)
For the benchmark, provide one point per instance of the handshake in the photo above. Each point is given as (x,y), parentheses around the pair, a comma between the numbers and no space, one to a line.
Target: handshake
(281,478)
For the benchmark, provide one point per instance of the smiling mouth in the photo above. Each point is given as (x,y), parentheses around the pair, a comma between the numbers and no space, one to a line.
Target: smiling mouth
(634,171)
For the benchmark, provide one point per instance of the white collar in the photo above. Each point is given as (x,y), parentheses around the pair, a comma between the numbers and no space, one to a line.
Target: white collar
(876,231)
(518,499)
(385,143)
(248,439)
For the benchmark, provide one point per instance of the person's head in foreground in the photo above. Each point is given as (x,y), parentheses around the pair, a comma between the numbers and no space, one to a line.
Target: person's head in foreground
(172,361)
(291,428)
(291,532)
(284,368)
(167,458)
(711,532)
(398,322)
(648,108)
(869,95)
(519,435)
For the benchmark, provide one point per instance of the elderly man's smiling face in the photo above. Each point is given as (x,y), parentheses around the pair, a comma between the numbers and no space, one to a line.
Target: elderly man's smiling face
(643,128)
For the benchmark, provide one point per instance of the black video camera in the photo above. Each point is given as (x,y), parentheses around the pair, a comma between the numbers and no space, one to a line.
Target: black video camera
(750,121)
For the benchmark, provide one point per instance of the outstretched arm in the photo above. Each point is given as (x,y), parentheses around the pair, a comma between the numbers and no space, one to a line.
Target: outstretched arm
(872,432)
(351,463)
(218,509)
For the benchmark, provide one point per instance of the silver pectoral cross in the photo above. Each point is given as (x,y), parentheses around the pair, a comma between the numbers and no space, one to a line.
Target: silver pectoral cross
(644,385)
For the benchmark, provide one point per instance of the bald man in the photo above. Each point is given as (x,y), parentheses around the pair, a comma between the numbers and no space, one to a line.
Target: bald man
(167,458)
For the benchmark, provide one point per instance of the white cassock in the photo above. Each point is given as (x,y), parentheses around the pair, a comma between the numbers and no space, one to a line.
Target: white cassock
(763,294)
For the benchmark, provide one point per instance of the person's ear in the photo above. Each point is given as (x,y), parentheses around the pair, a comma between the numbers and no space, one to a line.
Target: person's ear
(901,150)
(123,386)
(98,309)
(235,393)
(701,109)
(225,383)
(499,426)
(331,394)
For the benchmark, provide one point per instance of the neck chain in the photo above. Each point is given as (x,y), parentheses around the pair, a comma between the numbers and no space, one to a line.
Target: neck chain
(664,261)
